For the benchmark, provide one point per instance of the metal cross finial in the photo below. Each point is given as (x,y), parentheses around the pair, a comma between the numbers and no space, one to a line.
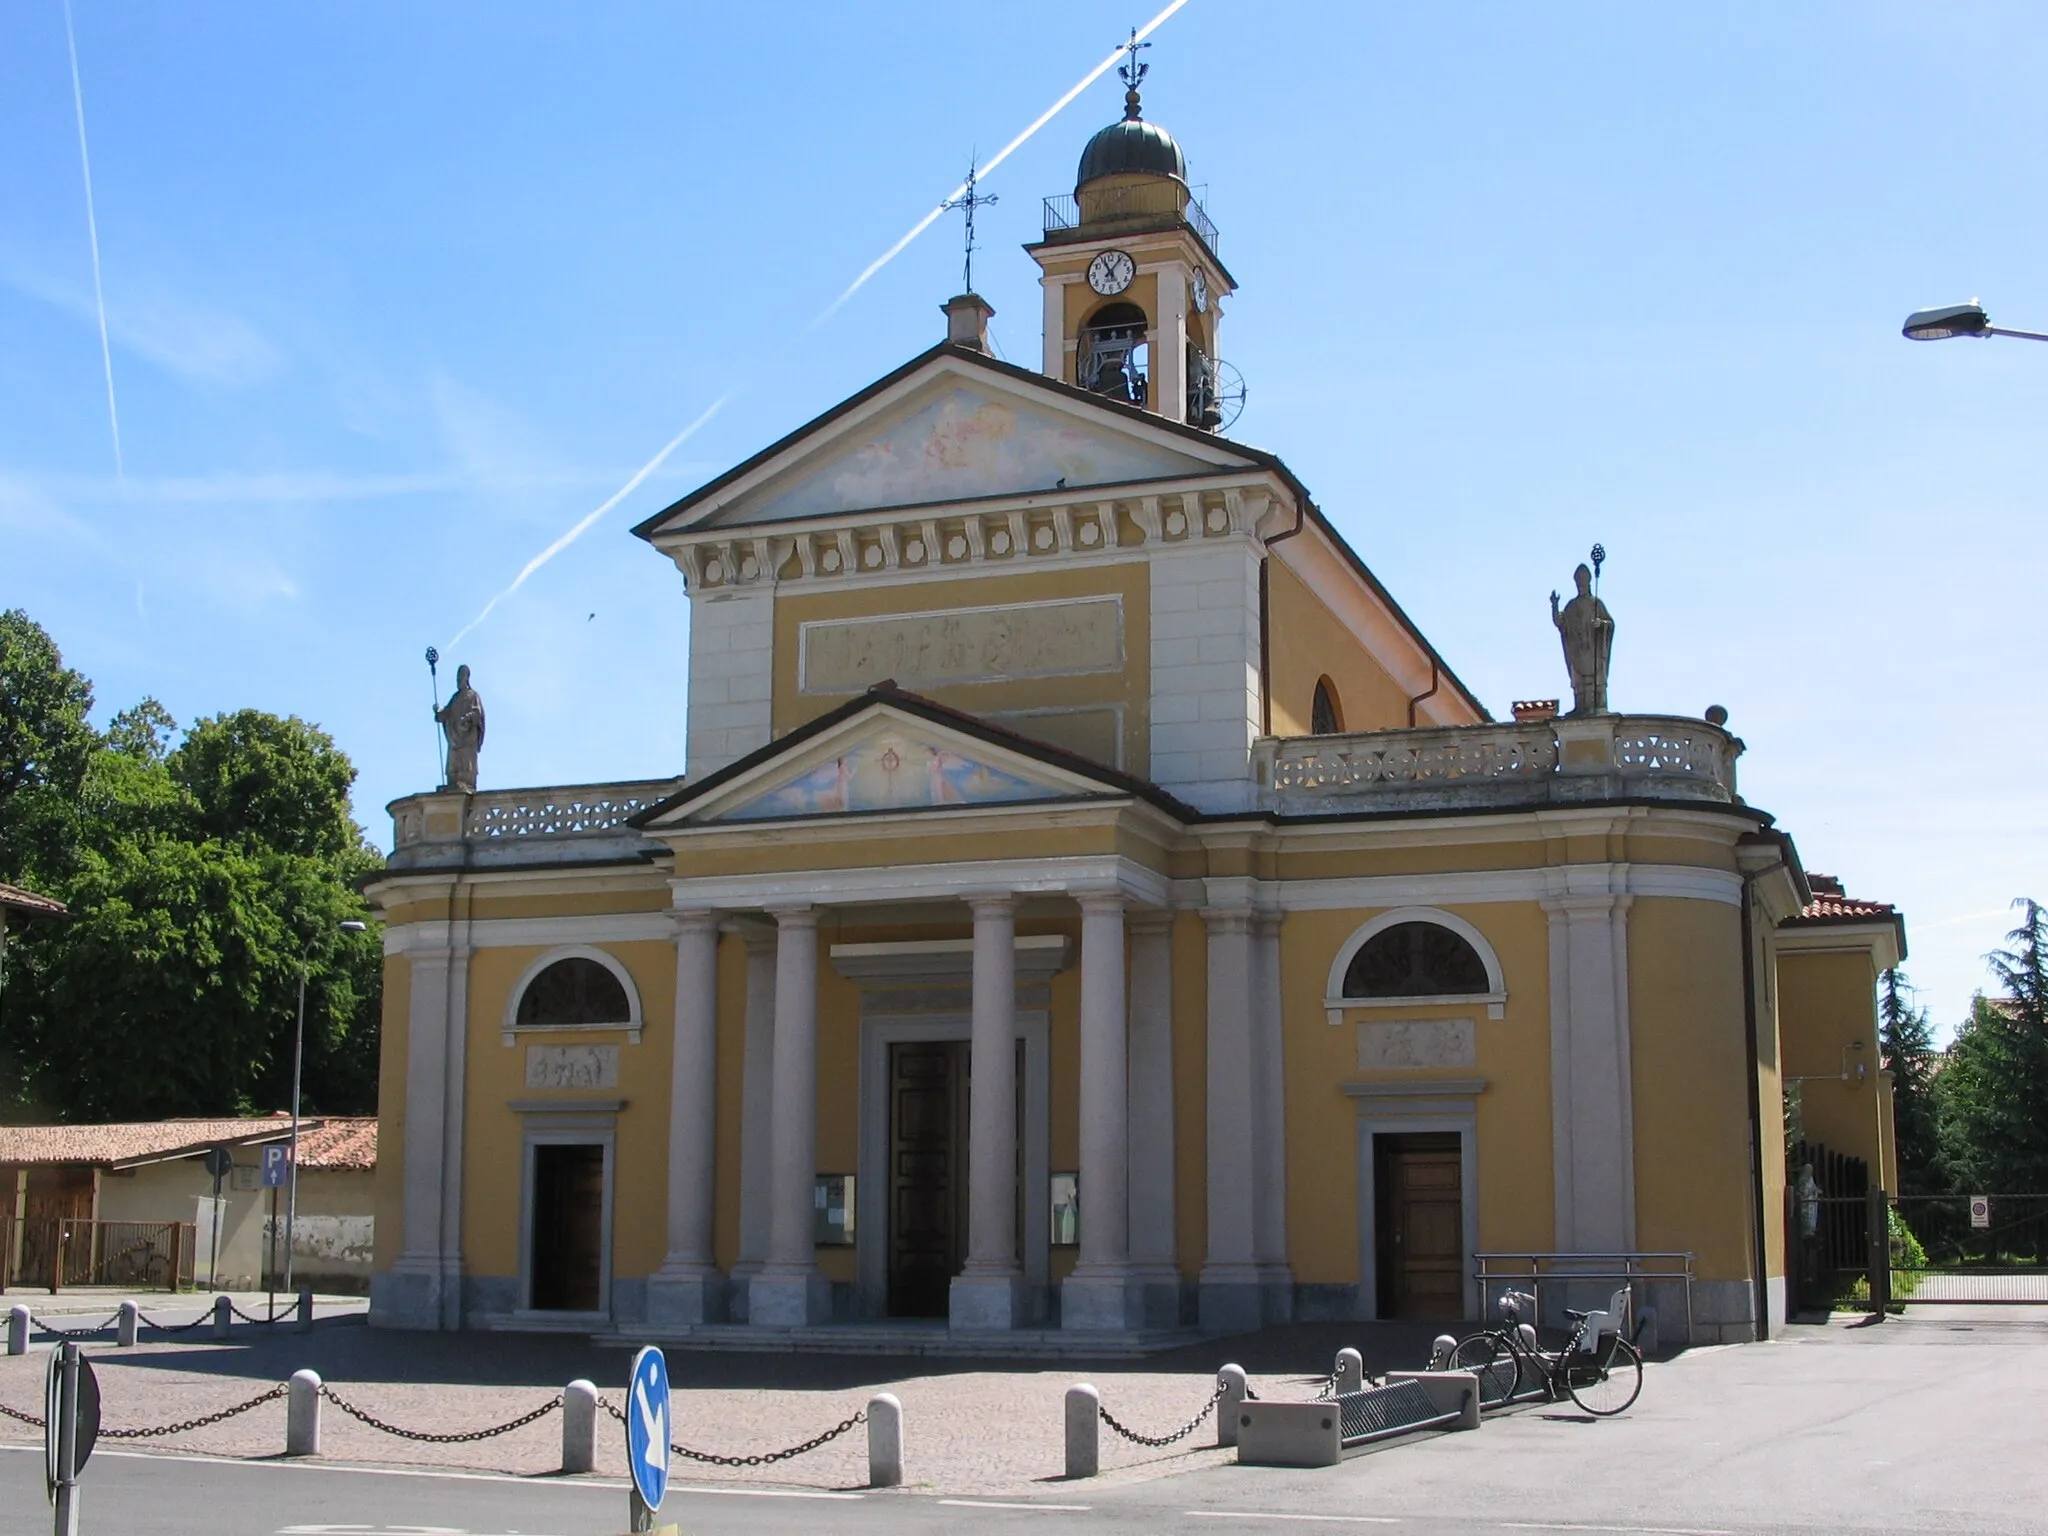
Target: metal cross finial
(1133,74)
(969,200)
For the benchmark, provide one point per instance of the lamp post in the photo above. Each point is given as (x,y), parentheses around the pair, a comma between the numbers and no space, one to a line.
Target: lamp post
(291,1199)
(1958,320)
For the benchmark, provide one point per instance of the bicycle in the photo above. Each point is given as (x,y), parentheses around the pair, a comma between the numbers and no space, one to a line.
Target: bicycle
(1603,1376)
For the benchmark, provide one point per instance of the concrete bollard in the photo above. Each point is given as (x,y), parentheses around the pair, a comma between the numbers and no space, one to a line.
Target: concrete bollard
(1084,1430)
(1441,1348)
(579,1426)
(305,1323)
(1349,1374)
(885,1441)
(302,1415)
(131,1319)
(223,1316)
(1230,1406)
(18,1324)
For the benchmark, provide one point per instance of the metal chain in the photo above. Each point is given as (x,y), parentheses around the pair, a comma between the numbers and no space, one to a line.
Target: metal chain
(20,1417)
(464,1438)
(764,1458)
(78,1333)
(1161,1440)
(198,1322)
(264,1322)
(187,1425)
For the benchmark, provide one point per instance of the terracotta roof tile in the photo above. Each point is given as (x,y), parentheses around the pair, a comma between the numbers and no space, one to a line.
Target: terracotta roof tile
(29,904)
(338,1142)
(346,1143)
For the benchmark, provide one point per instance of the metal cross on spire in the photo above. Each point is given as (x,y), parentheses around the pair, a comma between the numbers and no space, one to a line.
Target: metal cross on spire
(969,200)
(1132,73)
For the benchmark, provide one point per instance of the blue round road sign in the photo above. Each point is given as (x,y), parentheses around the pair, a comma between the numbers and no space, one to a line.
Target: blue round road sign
(647,1426)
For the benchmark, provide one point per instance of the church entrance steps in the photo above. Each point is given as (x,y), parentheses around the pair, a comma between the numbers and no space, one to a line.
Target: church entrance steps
(903,1337)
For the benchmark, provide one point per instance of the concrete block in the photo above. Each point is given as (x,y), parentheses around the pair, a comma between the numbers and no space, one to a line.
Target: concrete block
(789,1301)
(302,1415)
(579,1426)
(982,1303)
(125,1329)
(223,1316)
(1449,1392)
(18,1324)
(885,1441)
(1231,1379)
(1349,1371)
(1289,1434)
(1084,1430)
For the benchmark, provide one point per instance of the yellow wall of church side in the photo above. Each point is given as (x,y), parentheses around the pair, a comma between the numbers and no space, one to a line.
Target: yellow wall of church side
(1308,641)
(393,1037)
(1770,1099)
(1827,1006)
(1691,1083)
(1130,688)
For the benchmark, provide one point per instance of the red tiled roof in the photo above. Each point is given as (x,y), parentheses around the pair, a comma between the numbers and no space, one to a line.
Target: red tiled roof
(29,904)
(346,1143)
(1832,904)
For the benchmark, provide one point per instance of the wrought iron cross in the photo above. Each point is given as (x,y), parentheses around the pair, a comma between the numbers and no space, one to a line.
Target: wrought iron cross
(968,201)
(1131,71)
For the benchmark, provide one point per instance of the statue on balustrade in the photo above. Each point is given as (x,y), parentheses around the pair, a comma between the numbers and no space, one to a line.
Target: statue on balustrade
(1587,629)
(462,721)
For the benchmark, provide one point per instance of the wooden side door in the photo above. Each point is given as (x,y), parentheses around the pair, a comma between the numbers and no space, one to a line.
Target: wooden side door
(927,1174)
(1420,1212)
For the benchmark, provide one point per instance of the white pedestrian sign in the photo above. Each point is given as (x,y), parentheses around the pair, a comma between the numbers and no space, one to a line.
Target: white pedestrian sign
(647,1427)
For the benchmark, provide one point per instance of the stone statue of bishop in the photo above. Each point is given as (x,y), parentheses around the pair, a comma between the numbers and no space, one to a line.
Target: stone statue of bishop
(462,720)
(1587,629)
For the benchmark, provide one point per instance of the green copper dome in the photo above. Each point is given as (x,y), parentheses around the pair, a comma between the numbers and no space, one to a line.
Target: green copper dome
(1132,145)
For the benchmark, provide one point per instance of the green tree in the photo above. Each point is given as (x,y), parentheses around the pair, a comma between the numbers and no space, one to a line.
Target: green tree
(1994,1087)
(270,781)
(46,744)
(1906,1038)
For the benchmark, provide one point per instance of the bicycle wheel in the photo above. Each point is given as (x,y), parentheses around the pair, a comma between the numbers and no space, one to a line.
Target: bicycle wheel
(1499,1367)
(1606,1389)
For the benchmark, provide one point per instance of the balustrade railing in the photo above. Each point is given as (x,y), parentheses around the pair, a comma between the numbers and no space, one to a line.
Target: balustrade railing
(556,811)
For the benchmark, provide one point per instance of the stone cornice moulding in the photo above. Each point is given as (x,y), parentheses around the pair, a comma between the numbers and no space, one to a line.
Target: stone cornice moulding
(1039,957)
(904,882)
(1409,1088)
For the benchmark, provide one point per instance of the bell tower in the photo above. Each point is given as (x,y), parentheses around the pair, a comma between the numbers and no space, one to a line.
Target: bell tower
(1133,288)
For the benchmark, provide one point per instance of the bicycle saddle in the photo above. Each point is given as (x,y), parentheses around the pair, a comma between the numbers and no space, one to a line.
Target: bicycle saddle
(1577,1317)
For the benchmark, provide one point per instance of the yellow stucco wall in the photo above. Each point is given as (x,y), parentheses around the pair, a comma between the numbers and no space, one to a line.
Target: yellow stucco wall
(1827,1014)
(1308,642)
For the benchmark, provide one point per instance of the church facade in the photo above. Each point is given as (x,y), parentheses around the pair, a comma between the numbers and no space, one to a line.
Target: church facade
(1090,903)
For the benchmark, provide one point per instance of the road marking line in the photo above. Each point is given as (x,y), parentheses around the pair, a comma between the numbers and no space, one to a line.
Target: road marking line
(1260,1514)
(1077,1509)
(1624,1530)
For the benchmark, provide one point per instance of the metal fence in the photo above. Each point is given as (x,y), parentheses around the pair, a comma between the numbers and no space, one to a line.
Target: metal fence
(1970,1249)
(62,1251)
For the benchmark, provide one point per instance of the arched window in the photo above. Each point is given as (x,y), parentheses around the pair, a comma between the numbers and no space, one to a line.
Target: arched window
(1325,718)
(574,993)
(1114,358)
(1416,959)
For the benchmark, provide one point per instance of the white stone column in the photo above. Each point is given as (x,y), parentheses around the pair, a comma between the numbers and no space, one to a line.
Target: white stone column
(789,1292)
(409,1295)
(757,1106)
(989,1293)
(687,1290)
(1153,1210)
(1269,1108)
(1229,1287)
(1591,1093)
(1098,1294)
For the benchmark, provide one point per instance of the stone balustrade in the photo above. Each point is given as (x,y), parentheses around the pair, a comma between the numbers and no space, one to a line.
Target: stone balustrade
(1558,761)
(551,824)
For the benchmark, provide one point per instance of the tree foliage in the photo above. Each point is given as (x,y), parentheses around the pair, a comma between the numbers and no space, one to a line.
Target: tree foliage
(205,880)
(1906,1037)
(1993,1089)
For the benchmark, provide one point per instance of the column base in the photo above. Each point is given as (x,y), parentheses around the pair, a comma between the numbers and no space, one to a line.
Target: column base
(407,1295)
(1158,1288)
(1276,1294)
(738,1288)
(1101,1300)
(686,1296)
(789,1298)
(984,1302)
(1230,1299)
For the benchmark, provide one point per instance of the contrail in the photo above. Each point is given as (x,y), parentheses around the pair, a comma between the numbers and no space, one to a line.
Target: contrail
(92,228)
(1007,150)
(578,531)
(880,262)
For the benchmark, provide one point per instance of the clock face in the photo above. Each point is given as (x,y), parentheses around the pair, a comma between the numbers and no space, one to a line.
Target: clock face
(1111,272)
(1201,294)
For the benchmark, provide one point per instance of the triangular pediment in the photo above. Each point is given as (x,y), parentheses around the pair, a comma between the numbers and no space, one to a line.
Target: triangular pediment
(947,431)
(882,759)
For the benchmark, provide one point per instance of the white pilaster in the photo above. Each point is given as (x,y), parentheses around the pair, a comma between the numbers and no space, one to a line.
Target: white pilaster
(687,1290)
(1591,1094)
(757,1101)
(1229,1287)
(423,1288)
(1098,1294)
(789,1292)
(990,1291)
(1170,344)
(1151,1153)
(1055,333)
(732,675)
(1269,1107)
(1205,705)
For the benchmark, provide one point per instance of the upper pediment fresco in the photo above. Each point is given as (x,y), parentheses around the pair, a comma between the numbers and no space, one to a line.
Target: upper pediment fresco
(955,439)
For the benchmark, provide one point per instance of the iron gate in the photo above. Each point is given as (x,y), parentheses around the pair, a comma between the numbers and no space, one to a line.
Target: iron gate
(1968,1250)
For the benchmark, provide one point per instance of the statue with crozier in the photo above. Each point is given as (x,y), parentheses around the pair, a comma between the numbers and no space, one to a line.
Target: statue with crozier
(1587,629)
(462,721)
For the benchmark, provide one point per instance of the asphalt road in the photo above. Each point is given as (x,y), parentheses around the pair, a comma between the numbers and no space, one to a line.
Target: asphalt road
(1923,1426)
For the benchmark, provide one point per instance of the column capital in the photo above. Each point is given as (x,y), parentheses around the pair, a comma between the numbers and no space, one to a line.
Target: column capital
(1267,921)
(1101,903)
(1230,920)
(786,918)
(695,920)
(1148,920)
(992,903)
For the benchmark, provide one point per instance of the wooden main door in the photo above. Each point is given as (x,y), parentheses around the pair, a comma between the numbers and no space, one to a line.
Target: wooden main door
(927,1174)
(1419,1210)
(568,1227)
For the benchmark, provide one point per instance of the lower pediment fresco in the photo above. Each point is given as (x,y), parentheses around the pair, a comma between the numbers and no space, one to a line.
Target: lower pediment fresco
(889,771)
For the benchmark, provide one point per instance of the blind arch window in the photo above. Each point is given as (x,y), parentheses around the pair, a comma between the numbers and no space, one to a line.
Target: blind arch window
(572,993)
(1326,716)
(1416,959)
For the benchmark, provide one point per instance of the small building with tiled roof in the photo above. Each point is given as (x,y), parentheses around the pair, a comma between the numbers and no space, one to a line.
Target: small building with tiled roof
(143,1202)
(24,904)
(1831,954)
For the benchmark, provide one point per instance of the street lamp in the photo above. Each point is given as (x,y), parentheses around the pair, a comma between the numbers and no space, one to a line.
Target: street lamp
(291,1199)
(1958,320)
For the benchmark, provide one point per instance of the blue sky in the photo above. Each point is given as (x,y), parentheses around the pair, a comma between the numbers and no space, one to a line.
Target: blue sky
(397,294)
